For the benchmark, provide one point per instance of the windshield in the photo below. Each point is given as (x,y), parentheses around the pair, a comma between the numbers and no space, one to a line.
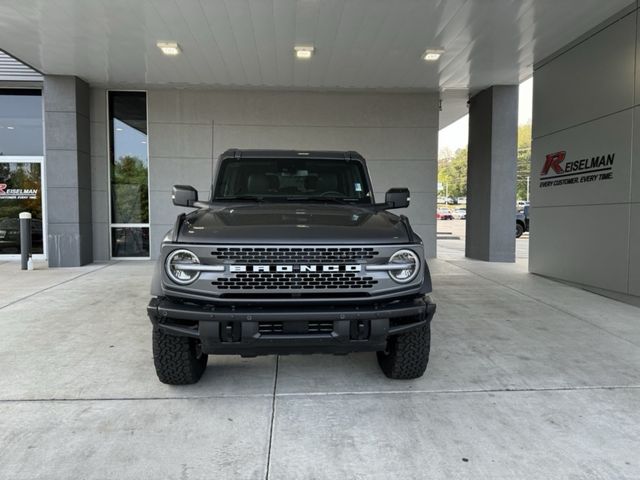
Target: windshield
(296,179)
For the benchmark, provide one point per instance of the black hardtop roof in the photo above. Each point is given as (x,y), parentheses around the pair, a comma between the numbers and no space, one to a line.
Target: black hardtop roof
(319,154)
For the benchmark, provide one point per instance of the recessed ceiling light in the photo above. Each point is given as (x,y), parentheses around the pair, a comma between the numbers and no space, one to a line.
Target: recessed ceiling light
(304,51)
(169,48)
(433,54)
(11,128)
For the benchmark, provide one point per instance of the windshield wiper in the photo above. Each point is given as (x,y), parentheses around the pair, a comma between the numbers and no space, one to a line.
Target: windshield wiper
(250,198)
(319,198)
(261,199)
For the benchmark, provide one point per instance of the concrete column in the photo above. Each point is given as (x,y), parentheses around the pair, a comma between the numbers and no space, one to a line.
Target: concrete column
(491,175)
(68,170)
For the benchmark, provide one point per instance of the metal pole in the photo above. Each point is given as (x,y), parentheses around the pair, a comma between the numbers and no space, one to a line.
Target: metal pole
(25,239)
(528,178)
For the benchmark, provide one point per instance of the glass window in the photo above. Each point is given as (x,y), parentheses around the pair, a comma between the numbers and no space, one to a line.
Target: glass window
(292,179)
(20,122)
(20,191)
(129,162)
(130,241)
(129,174)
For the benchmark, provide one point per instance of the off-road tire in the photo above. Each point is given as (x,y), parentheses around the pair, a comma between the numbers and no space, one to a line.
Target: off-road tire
(407,354)
(519,230)
(178,360)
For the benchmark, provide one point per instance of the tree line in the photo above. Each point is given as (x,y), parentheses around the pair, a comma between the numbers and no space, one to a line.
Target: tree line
(452,167)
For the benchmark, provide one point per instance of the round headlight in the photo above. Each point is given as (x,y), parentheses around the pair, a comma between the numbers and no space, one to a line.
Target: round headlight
(177,266)
(408,259)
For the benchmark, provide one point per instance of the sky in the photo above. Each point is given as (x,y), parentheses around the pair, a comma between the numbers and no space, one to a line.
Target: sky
(455,135)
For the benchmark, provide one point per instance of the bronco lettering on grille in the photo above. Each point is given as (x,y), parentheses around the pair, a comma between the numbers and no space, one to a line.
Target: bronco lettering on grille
(294,268)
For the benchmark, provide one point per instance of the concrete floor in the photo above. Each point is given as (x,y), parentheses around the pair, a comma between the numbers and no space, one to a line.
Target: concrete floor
(528,379)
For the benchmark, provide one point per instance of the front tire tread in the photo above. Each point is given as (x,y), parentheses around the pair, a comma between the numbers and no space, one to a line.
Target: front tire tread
(407,354)
(177,359)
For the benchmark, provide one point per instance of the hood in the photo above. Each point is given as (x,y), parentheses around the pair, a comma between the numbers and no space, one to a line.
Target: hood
(292,223)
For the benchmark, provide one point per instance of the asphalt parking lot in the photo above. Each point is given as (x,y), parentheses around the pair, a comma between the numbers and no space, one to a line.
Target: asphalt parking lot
(528,378)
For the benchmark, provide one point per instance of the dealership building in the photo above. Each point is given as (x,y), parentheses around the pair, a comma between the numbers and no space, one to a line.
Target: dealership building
(103,109)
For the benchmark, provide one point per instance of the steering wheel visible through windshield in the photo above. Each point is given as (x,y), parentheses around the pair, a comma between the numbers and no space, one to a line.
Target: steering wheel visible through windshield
(295,179)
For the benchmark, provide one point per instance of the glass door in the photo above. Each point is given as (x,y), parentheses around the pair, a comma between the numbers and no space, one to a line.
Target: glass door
(21,191)
(21,170)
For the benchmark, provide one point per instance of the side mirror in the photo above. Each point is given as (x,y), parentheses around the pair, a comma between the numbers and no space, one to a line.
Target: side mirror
(184,195)
(397,198)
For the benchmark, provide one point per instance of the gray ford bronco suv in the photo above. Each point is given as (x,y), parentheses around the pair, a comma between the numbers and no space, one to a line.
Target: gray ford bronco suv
(290,255)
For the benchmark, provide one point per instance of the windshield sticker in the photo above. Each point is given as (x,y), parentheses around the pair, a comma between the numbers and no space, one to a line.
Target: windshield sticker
(358,187)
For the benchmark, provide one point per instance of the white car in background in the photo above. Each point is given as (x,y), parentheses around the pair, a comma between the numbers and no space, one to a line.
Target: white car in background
(460,213)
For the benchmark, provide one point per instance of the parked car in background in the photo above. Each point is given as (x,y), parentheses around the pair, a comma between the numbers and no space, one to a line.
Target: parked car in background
(520,204)
(462,200)
(444,214)
(460,213)
(522,221)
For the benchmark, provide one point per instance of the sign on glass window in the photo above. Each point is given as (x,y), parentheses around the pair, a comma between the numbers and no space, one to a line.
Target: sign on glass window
(20,191)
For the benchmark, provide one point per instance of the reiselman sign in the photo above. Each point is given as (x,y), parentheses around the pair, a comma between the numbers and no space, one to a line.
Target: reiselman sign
(17,193)
(556,172)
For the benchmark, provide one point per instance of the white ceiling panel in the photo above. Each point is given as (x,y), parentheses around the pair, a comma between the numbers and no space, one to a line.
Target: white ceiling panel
(360,44)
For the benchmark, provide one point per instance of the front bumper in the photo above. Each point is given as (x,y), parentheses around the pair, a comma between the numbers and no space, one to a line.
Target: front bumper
(251,331)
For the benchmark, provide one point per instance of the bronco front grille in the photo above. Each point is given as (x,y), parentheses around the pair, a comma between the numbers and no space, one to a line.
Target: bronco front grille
(307,255)
(294,281)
